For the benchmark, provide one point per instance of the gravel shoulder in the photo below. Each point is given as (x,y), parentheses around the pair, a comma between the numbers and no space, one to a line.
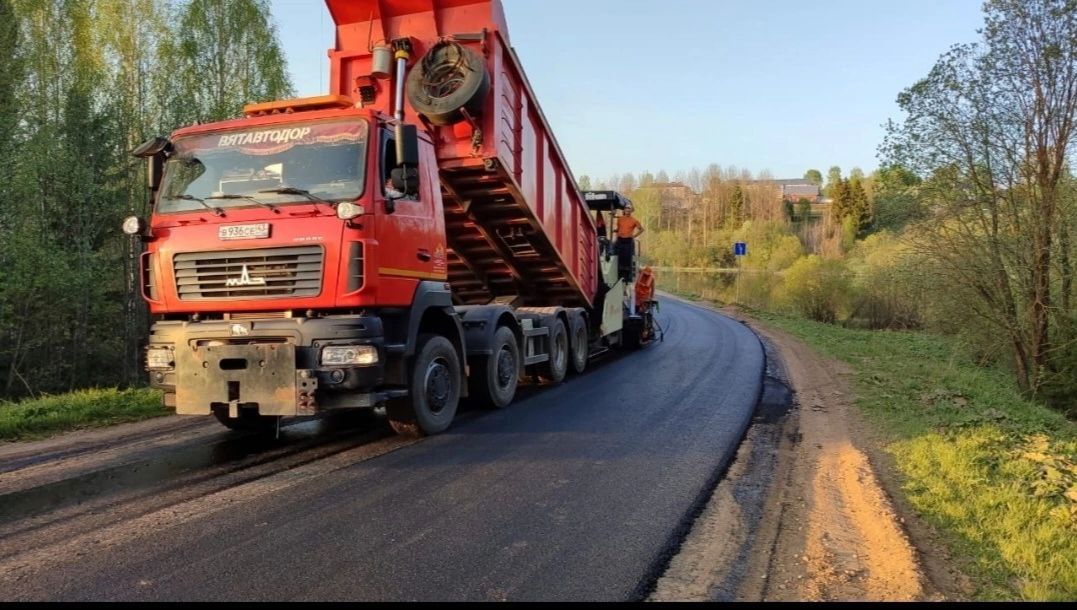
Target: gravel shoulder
(806,510)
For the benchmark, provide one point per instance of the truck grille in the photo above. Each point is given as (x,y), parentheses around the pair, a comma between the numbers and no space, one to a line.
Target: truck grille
(249,274)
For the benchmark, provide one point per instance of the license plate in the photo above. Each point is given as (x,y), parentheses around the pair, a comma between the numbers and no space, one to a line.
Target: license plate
(259,231)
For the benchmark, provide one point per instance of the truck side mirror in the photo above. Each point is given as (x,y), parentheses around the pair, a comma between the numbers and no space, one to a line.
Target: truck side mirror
(407,145)
(405,176)
(154,171)
(154,151)
(406,180)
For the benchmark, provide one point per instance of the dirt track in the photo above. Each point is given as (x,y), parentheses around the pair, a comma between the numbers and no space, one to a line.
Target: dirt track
(824,528)
(848,543)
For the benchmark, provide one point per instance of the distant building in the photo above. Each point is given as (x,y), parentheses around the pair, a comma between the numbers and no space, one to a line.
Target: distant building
(794,191)
(675,196)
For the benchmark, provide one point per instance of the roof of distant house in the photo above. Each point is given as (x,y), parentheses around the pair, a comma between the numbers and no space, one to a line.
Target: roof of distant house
(801,190)
(793,182)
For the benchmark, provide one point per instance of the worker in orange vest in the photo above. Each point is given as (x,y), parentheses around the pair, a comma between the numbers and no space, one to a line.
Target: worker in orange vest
(628,229)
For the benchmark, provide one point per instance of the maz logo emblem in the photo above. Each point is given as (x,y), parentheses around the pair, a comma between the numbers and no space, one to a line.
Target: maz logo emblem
(245,279)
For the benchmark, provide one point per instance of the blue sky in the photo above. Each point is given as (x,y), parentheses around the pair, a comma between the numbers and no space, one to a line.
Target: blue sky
(628,85)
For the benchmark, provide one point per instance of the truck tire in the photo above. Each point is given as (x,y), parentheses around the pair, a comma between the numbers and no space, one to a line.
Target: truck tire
(580,349)
(449,78)
(248,421)
(434,391)
(554,369)
(495,377)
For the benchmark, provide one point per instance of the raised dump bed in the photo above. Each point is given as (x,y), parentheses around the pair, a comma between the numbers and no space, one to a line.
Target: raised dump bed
(517,225)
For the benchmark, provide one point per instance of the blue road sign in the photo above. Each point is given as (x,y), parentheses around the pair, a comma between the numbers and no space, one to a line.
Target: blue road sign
(740,249)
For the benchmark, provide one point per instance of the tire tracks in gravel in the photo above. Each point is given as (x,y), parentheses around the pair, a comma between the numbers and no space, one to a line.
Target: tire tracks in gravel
(20,567)
(78,492)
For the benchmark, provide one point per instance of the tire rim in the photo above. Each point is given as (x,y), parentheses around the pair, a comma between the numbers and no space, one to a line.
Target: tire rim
(438,385)
(581,347)
(447,70)
(560,351)
(506,367)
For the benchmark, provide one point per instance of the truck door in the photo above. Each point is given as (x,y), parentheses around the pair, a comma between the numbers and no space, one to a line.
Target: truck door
(411,243)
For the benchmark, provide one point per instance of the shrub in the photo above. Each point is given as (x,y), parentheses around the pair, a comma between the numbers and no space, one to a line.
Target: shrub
(816,288)
(1060,383)
(887,283)
(785,251)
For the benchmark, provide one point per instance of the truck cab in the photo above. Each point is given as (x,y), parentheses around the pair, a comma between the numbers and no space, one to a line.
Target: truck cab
(264,259)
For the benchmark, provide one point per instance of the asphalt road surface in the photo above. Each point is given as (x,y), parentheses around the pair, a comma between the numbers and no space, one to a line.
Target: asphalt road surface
(576,492)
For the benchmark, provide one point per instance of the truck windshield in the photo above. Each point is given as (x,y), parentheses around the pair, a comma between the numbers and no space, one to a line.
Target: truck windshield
(267,165)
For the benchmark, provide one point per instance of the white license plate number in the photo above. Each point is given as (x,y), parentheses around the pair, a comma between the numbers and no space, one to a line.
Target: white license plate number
(259,231)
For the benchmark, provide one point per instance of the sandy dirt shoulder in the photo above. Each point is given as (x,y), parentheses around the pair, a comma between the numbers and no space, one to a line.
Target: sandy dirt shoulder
(829,525)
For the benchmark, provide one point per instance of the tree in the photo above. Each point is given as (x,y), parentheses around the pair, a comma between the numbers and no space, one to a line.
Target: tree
(841,203)
(991,127)
(82,82)
(804,210)
(585,182)
(896,201)
(814,176)
(790,210)
(858,207)
(833,182)
(137,87)
(10,76)
(227,55)
(694,180)
(736,206)
(10,81)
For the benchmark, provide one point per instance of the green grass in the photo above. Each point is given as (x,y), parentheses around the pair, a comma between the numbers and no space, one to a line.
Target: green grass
(995,472)
(36,418)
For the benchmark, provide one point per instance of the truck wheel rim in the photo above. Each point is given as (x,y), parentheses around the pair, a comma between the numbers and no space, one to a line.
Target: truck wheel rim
(506,367)
(581,346)
(438,385)
(561,349)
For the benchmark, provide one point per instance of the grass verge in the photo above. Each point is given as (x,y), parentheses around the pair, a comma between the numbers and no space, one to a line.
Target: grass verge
(996,473)
(36,418)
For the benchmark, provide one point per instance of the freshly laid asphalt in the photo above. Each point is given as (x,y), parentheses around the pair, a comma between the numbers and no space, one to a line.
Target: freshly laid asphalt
(577,492)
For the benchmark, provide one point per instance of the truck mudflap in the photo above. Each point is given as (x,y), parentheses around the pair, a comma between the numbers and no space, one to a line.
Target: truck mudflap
(255,376)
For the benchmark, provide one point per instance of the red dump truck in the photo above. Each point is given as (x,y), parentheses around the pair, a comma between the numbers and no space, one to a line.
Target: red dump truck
(412,238)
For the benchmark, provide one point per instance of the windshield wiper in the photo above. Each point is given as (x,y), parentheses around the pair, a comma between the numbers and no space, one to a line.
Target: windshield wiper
(288,190)
(253,200)
(185,197)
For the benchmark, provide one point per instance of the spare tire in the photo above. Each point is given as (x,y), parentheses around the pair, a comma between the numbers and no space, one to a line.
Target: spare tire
(448,79)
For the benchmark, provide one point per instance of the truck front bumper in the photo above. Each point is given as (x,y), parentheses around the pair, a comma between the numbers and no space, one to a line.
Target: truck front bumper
(272,366)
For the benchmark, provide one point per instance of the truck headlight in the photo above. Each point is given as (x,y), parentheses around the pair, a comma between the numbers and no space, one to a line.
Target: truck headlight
(160,359)
(134,225)
(350,355)
(349,211)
